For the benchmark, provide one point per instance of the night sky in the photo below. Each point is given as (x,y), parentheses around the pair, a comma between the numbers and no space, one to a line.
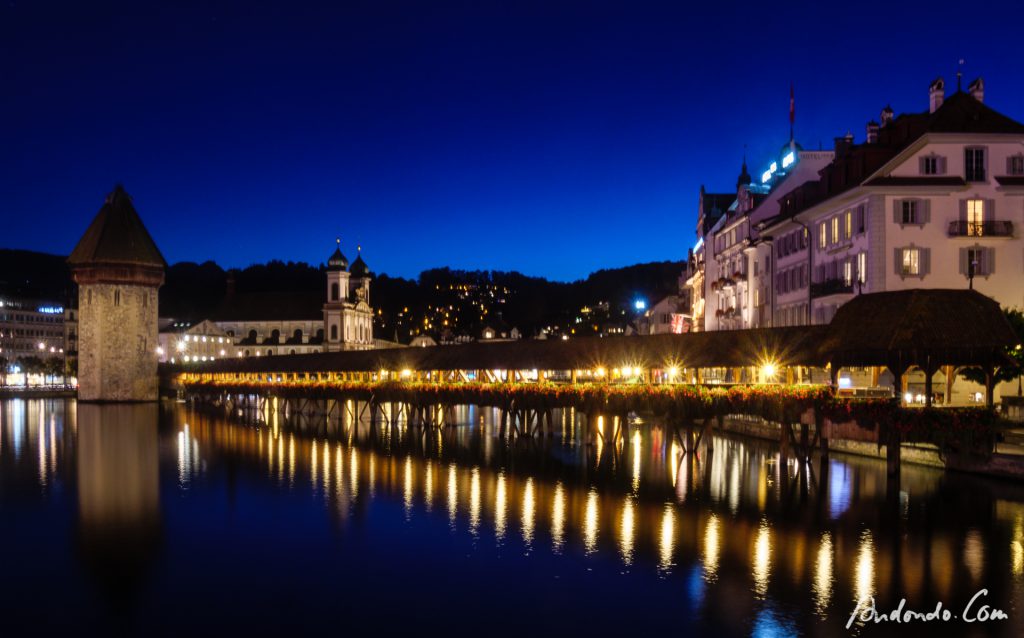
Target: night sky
(551,138)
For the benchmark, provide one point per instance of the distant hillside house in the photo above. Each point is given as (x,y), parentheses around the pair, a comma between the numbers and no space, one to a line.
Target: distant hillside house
(274,323)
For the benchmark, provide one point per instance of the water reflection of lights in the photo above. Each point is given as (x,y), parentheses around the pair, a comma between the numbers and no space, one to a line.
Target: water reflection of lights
(590,523)
(428,485)
(528,512)
(823,576)
(668,537)
(353,473)
(558,518)
(500,505)
(712,547)
(474,501)
(974,555)
(453,494)
(314,476)
(407,487)
(1017,546)
(865,570)
(626,532)
(839,488)
(637,440)
(188,456)
(762,559)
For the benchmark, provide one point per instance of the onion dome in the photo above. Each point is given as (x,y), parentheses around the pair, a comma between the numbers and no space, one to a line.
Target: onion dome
(337,260)
(359,267)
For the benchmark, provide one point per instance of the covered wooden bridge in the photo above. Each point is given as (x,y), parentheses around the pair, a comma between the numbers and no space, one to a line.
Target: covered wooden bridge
(925,329)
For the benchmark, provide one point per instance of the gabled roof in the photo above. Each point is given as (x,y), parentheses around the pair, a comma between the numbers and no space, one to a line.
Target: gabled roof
(117,236)
(961,113)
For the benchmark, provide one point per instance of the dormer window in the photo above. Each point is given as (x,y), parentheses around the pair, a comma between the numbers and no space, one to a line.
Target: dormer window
(933,165)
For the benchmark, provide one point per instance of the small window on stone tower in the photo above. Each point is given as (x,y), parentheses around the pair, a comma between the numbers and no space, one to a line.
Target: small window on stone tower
(89,298)
(334,292)
(117,297)
(334,333)
(145,301)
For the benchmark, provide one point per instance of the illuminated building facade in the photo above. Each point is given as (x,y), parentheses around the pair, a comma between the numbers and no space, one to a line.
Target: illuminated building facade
(31,328)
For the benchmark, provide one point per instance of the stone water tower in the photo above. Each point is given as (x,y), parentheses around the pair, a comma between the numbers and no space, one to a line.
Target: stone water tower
(118,269)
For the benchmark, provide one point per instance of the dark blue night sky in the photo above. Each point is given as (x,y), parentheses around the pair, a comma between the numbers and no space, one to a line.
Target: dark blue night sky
(552,138)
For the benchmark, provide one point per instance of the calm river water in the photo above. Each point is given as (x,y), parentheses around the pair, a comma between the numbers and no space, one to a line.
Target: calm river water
(167,520)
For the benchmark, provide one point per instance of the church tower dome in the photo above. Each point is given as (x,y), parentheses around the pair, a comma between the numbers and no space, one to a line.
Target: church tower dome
(337,260)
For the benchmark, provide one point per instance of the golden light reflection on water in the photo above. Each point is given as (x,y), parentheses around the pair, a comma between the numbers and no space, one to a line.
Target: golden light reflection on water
(1017,546)
(500,507)
(428,485)
(822,585)
(453,494)
(974,555)
(407,487)
(667,537)
(590,523)
(528,512)
(637,440)
(474,501)
(626,531)
(558,518)
(712,547)
(639,527)
(762,564)
(864,582)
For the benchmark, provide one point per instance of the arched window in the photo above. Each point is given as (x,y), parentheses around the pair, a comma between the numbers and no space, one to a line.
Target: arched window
(252,335)
(247,353)
(334,333)
(320,334)
(292,351)
(335,291)
(270,353)
(275,336)
(297,335)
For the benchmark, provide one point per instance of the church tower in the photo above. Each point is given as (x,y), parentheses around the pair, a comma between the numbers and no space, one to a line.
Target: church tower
(118,269)
(337,295)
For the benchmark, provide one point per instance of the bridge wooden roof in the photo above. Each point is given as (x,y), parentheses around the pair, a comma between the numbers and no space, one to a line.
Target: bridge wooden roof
(903,328)
(786,346)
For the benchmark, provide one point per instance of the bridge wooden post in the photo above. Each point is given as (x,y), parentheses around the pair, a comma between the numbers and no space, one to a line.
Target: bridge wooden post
(784,434)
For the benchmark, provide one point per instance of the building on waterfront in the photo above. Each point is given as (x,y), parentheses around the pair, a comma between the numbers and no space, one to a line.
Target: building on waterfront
(31,328)
(118,269)
(669,315)
(711,207)
(931,199)
(250,324)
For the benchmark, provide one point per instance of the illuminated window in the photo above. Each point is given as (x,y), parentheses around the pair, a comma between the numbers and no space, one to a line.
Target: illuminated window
(849,223)
(835,230)
(862,267)
(911,261)
(822,235)
(848,272)
(976,217)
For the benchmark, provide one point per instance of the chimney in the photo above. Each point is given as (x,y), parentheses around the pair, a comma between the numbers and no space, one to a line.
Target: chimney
(872,132)
(843,145)
(977,89)
(936,93)
(886,116)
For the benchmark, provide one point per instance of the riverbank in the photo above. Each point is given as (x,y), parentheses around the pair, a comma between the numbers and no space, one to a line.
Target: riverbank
(38,393)
(1005,463)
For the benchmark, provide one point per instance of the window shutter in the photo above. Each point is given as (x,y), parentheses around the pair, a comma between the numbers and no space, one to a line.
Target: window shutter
(897,260)
(925,255)
(963,210)
(897,211)
(990,261)
(990,210)
(860,219)
(963,261)
(940,165)
(925,212)
(920,165)
(1009,165)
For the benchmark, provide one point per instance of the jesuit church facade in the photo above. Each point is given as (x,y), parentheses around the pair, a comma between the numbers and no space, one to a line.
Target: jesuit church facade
(275,323)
